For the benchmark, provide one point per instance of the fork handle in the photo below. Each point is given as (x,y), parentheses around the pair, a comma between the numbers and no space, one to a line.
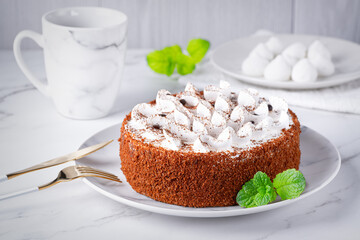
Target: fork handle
(3,178)
(19,193)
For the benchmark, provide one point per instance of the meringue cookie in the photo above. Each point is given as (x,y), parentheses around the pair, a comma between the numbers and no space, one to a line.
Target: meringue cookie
(245,99)
(226,134)
(318,48)
(198,146)
(237,115)
(253,91)
(190,101)
(324,66)
(198,127)
(143,109)
(296,50)
(246,130)
(224,84)
(158,121)
(217,119)
(304,71)
(181,132)
(203,111)
(164,101)
(215,143)
(278,70)
(262,109)
(283,121)
(225,88)
(262,51)
(181,119)
(171,142)
(274,45)
(278,104)
(222,105)
(211,93)
(290,60)
(254,66)
(190,88)
(264,124)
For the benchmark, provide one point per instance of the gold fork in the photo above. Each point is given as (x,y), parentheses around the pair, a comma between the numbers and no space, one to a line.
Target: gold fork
(65,175)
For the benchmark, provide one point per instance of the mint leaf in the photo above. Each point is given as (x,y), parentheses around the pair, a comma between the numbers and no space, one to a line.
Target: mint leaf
(185,64)
(161,61)
(256,192)
(172,52)
(197,49)
(164,61)
(289,184)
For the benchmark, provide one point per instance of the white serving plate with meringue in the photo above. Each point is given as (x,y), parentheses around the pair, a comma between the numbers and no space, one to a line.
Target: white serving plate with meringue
(229,57)
(320,162)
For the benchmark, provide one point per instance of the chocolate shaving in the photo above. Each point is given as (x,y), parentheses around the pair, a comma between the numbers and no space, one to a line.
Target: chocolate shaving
(183,101)
(162,115)
(156,126)
(270,107)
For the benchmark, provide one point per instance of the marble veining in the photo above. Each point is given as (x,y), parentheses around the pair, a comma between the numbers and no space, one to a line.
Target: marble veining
(84,69)
(96,46)
(35,133)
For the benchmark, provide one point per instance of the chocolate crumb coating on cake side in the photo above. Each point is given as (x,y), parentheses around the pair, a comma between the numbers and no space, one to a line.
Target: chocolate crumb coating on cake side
(209,179)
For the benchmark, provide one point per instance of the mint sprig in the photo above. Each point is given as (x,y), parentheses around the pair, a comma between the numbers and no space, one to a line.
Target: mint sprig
(197,49)
(261,191)
(256,192)
(289,184)
(165,61)
(185,64)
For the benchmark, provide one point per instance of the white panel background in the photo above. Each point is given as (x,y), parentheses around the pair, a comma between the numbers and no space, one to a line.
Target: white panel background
(157,23)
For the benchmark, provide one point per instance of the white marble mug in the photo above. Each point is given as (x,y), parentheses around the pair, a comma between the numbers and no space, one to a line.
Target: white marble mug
(84,51)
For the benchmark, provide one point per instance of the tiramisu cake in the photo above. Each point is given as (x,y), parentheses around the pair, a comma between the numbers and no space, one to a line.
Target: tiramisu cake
(197,148)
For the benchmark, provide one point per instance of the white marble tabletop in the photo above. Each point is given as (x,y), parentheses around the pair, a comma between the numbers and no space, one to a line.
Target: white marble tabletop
(31,131)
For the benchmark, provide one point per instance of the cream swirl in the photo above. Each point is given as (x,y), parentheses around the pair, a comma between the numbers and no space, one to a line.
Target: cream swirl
(216,119)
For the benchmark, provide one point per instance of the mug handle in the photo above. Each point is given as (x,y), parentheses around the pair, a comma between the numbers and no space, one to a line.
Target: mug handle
(36,37)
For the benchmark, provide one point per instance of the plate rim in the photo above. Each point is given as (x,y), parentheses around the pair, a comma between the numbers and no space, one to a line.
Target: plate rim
(199,212)
(347,77)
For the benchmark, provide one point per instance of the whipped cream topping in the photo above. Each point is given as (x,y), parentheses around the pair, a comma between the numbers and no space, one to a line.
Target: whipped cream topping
(216,119)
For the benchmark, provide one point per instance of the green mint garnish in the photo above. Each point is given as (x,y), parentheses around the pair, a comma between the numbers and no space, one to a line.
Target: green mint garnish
(289,184)
(260,190)
(161,62)
(166,60)
(197,49)
(256,192)
(173,52)
(185,64)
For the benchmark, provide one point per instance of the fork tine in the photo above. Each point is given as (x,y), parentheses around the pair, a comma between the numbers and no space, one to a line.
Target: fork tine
(100,173)
(102,176)
(95,170)
(85,169)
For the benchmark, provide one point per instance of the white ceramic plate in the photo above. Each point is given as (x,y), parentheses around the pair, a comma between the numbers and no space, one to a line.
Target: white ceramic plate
(320,162)
(345,55)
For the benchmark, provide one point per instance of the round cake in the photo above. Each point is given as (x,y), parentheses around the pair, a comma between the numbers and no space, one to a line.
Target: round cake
(197,148)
